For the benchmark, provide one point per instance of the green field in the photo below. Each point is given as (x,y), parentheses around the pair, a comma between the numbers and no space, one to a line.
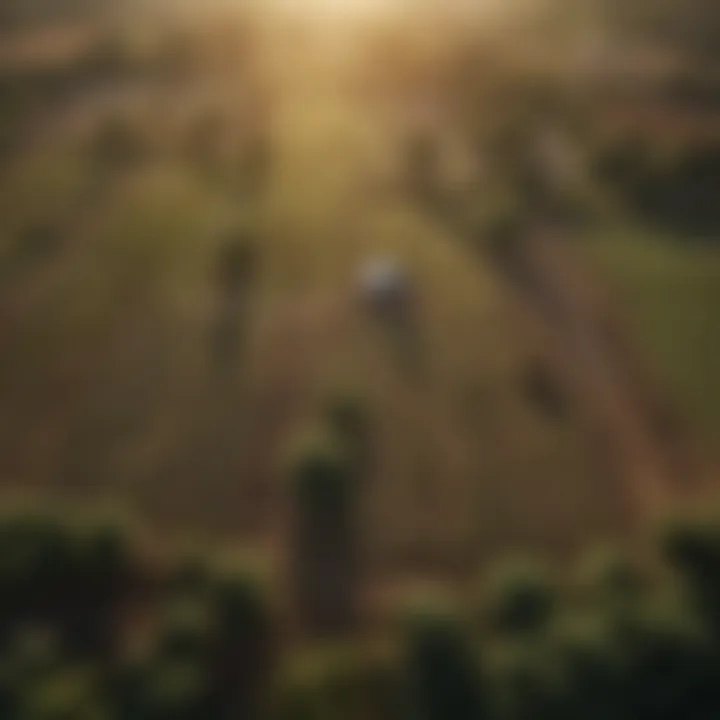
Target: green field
(117,200)
(670,289)
(354,360)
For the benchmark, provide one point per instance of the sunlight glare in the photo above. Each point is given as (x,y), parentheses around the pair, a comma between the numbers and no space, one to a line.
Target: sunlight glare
(336,9)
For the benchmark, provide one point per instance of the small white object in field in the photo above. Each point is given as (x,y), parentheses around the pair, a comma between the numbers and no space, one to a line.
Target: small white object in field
(384,285)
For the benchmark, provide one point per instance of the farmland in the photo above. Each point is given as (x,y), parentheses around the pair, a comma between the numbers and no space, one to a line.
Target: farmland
(133,157)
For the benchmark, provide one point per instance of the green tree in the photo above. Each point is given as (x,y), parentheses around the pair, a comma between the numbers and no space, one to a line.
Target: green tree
(323,543)
(442,667)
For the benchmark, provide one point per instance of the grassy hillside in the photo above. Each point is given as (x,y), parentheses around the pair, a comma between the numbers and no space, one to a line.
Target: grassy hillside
(670,289)
(123,374)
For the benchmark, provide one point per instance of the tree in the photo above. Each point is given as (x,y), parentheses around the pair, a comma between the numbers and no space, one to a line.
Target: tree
(442,669)
(325,581)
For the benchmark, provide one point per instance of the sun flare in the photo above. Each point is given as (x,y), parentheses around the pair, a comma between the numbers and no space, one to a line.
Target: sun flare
(337,9)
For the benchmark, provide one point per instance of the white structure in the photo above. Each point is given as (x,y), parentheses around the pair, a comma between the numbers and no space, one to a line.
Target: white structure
(384,285)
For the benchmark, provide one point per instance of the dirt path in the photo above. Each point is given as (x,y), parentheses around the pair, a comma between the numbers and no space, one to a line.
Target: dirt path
(631,426)
(636,435)
(617,406)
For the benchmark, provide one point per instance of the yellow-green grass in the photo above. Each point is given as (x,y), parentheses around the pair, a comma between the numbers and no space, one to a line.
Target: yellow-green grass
(670,291)
(107,385)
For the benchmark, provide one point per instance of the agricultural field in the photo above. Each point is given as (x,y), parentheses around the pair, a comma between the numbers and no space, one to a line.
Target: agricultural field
(669,288)
(133,159)
(355,358)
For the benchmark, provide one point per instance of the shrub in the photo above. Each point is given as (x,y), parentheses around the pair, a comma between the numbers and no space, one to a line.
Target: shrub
(69,695)
(29,545)
(245,648)
(692,548)
(346,682)
(170,690)
(323,542)
(674,187)
(189,576)
(303,693)
(592,667)
(73,577)
(187,631)
(528,681)
(33,656)
(519,599)
(670,666)
(442,670)
(609,577)
(99,585)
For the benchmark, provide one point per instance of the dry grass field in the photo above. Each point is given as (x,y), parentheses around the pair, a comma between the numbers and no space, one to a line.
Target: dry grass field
(527,414)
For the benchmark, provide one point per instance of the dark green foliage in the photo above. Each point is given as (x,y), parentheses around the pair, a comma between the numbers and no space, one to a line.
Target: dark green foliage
(591,664)
(218,626)
(189,576)
(528,682)
(320,475)
(103,579)
(682,192)
(37,682)
(442,669)
(187,632)
(518,600)
(608,577)
(346,682)
(70,695)
(305,691)
(245,650)
(669,671)
(167,690)
(669,187)
(33,655)
(662,655)
(73,577)
(693,547)
(67,591)
(693,550)
(324,539)
(627,640)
